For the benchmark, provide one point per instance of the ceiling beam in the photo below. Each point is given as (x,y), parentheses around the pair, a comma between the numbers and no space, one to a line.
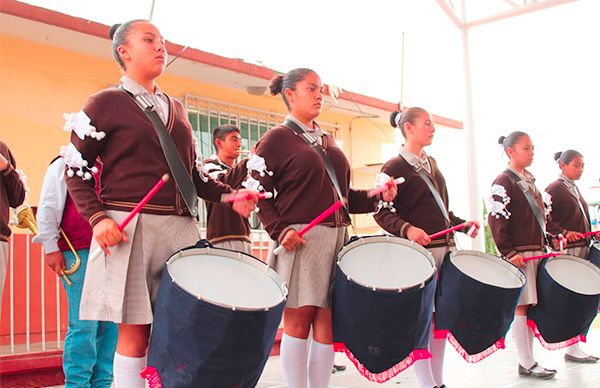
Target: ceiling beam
(522,10)
(451,13)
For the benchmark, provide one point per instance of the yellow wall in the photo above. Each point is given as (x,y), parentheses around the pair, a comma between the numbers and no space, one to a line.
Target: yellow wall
(38,83)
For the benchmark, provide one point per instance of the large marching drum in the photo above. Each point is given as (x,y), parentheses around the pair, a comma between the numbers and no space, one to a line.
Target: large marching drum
(568,290)
(216,317)
(382,304)
(476,299)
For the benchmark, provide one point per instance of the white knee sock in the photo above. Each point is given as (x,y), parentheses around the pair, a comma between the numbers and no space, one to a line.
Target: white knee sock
(523,336)
(424,375)
(437,348)
(320,363)
(127,370)
(294,359)
(575,351)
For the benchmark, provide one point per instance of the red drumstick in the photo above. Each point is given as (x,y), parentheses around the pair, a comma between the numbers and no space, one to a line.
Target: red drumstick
(330,210)
(386,186)
(446,231)
(588,234)
(545,256)
(235,197)
(135,211)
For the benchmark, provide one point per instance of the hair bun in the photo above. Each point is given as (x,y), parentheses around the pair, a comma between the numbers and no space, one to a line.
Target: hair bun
(275,85)
(393,116)
(112,30)
(501,140)
(557,155)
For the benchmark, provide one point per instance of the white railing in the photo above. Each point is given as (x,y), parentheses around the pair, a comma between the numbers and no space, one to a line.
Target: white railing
(22,334)
(19,336)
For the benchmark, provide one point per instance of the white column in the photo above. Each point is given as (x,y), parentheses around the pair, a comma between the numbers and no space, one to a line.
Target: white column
(475,205)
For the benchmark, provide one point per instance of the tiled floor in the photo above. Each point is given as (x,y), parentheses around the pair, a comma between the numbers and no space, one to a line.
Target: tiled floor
(498,370)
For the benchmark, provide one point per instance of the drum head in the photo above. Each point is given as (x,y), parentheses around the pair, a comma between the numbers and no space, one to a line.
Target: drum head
(488,269)
(386,263)
(226,278)
(575,274)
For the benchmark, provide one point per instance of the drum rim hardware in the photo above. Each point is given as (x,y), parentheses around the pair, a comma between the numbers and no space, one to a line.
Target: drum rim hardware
(393,240)
(579,260)
(504,264)
(256,263)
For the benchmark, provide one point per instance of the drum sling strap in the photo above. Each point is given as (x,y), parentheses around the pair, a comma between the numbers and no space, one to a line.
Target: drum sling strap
(184,182)
(434,192)
(575,192)
(537,212)
(328,165)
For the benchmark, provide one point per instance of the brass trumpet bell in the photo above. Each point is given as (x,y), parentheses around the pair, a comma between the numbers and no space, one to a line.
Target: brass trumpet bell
(26,220)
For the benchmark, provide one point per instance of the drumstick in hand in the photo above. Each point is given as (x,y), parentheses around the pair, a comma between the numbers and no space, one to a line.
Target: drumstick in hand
(588,234)
(544,256)
(318,219)
(386,186)
(235,197)
(135,211)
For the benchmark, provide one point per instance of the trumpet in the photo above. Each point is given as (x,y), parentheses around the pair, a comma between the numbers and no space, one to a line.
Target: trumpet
(26,220)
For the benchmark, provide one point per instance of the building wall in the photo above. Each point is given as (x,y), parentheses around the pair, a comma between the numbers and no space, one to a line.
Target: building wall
(38,83)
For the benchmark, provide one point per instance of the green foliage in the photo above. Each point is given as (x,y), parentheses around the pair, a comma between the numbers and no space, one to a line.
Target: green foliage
(490,246)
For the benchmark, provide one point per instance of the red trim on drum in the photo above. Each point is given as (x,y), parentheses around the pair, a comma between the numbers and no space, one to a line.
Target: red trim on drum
(554,345)
(470,358)
(473,358)
(150,374)
(415,355)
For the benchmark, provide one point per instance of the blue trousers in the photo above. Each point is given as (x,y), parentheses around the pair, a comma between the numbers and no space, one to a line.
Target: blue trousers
(89,345)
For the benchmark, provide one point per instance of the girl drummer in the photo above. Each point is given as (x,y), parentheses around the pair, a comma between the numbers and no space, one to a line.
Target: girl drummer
(304,190)
(122,288)
(569,216)
(416,213)
(518,235)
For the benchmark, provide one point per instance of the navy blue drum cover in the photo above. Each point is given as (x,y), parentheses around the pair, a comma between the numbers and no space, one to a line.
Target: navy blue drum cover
(215,320)
(382,304)
(476,299)
(594,254)
(568,289)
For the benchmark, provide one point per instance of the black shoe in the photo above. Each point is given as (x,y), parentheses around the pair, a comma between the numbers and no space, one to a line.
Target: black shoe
(339,368)
(537,371)
(589,359)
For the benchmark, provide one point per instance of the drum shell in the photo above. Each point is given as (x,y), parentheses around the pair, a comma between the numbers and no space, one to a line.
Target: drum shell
(561,313)
(195,343)
(594,254)
(477,314)
(381,328)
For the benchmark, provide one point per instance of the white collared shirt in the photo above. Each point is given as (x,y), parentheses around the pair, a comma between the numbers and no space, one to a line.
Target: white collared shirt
(414,160)
(527,177)
(160,100)
(51,206)
(317,132)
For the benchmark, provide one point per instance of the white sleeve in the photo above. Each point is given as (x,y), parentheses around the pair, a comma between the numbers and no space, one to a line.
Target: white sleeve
(51,206)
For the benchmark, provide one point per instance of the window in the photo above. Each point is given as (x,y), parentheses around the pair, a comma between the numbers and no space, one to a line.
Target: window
(206,114)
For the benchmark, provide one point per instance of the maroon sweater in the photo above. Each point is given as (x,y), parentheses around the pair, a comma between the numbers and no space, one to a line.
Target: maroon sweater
(133,159)
(12,191)
(300,179)
(520,232)
(222,223)
(415,205)
(565,212)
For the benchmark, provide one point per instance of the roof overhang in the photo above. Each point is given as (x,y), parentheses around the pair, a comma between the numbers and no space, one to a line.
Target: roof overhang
(48,27)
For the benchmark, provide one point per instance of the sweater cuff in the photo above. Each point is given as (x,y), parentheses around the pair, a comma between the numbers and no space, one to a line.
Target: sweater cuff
(404,230)
(97,217)
(510,254)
